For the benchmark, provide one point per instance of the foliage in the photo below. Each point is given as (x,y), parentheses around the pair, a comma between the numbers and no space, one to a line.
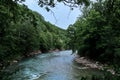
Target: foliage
(95,35)
(47,4)
(24,31)
(97,32)
(71,3)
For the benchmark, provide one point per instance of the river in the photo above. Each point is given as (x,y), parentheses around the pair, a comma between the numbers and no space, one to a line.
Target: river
(51,66)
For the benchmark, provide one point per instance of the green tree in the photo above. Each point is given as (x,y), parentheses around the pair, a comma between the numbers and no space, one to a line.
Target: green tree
(24,31)
(97,31)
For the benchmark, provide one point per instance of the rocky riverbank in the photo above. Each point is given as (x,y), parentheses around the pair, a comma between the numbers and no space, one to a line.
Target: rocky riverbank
(18,58)
(93,64)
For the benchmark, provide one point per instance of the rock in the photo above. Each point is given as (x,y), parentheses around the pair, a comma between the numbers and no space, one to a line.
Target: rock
(90,64)
(15,61)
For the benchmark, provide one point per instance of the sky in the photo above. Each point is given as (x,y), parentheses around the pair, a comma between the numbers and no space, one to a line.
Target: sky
(60,16)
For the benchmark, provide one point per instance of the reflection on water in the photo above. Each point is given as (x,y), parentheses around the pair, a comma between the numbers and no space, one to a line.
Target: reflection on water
(51,66)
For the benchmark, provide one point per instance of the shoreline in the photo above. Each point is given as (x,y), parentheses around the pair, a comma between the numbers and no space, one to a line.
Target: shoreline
(93,64)
(20,58)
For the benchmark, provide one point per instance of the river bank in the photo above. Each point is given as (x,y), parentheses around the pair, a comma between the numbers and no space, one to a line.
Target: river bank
(93,64)
(4,65)
(7,68)
(49,66)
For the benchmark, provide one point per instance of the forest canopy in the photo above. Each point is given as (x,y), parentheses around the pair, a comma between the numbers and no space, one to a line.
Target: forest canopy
(24,31)
(96,33)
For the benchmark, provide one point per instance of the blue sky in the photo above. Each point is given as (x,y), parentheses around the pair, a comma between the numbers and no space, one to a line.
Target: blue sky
(63,15)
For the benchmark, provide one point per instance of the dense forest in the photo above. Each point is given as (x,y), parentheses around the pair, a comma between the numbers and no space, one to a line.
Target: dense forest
(96,33)
(24,31)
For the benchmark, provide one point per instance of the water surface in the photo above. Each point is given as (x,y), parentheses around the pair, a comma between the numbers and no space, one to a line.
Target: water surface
(51,66)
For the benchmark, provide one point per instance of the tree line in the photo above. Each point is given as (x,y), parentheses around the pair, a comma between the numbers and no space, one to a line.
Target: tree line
(23,31)
(96,34)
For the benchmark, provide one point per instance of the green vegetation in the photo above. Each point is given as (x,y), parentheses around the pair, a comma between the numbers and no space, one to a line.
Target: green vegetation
(24,31)
(96,34)
(48,4)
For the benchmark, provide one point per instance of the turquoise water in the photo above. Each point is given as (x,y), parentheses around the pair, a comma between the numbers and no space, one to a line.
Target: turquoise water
(51,66)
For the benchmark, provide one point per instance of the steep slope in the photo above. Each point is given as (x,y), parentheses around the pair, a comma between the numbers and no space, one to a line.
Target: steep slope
(23,31)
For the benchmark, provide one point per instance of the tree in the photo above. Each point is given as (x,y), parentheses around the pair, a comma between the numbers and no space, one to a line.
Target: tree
(97,31)
(24,31)
(71,33)
(71,3)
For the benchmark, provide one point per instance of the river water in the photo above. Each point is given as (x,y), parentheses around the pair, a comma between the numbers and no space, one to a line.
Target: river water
(51,66)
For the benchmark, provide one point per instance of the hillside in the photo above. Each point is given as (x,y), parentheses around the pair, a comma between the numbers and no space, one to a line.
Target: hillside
(24,31)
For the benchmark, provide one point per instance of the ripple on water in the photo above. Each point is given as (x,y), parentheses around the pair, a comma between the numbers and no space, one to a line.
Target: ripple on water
(52,66)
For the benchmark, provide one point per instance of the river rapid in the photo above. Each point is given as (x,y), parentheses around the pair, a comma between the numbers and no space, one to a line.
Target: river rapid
(51,66)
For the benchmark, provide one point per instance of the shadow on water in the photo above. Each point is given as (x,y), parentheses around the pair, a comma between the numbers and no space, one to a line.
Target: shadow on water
(52,66)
